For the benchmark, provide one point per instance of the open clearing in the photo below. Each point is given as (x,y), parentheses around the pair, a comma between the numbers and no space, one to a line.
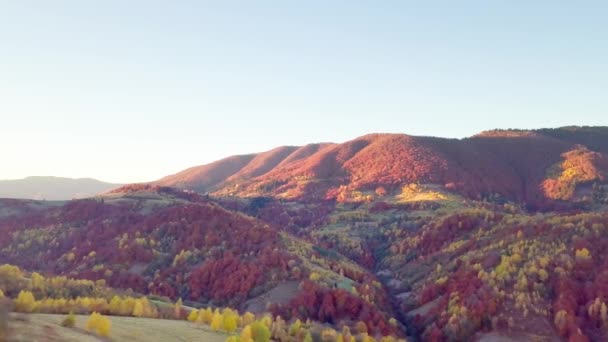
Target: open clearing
(43,327)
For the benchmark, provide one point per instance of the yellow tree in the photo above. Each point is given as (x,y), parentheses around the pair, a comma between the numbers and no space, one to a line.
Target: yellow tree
(36,282)
(138,308)
(104,327)
(217,322)
(177,309)
(260,332)
(295,327)
(366,338)
(149,308)
(69,321)
(193,315)
(25,302)
(99,324)
(11,278)
(246,335)
(115,303)
(387,339)
(205,316)
(230,320)
(582,254)
(126,306)
(247,318)
(85,303)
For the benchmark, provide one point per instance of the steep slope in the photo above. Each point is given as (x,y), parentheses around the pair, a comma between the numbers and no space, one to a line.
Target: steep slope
(53,188)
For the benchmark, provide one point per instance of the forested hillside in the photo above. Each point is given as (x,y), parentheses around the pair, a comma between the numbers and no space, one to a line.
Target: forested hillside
(501,235)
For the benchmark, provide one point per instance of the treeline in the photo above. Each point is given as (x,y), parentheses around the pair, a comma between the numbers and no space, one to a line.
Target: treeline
(34,293)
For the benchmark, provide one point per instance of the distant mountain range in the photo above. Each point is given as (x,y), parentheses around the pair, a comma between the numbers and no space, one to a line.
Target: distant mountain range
(53,188)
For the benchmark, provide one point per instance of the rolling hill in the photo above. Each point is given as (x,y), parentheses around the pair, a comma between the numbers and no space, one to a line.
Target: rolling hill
(53,188)
(172,243)
(500,236)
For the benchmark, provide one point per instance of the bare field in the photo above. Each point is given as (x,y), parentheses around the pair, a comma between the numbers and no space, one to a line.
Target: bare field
(43,327)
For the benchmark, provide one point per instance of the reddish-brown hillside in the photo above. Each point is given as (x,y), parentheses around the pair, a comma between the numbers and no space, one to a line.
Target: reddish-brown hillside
(580,166)
(513,164)
(204,177)
(174,243)
(263,162)
(303,152)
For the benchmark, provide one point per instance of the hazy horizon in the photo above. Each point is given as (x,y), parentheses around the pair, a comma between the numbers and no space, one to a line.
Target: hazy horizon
(246,153)
(132,92)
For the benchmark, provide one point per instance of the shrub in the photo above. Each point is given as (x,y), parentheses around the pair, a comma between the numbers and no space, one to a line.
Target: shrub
(69,321)
(260,332)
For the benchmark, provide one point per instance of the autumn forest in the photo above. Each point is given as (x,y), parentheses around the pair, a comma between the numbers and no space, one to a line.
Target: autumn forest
(387,237)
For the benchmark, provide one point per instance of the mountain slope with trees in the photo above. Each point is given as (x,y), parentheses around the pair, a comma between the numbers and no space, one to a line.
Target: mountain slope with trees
(500,235)
(521,166)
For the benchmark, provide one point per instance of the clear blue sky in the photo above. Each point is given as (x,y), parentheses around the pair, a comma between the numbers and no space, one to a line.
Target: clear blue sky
(131,91)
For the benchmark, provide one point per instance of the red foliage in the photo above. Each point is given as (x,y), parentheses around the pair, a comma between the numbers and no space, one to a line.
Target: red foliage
(224,278)
(127,242)
(512,164)
(333,306)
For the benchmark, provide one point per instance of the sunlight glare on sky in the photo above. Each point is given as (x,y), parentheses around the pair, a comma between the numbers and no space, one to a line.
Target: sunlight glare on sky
(128,91)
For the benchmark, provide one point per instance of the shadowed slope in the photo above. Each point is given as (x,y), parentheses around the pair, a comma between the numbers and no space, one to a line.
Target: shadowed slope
(203,178)
(263,162)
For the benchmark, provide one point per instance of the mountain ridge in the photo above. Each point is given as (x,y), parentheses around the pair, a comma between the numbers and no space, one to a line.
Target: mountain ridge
(508,163)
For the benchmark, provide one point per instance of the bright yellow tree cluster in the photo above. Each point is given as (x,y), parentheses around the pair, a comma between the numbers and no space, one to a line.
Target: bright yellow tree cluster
(119,306)
(99,324)
(227,320)
(129,306)
(25,302)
